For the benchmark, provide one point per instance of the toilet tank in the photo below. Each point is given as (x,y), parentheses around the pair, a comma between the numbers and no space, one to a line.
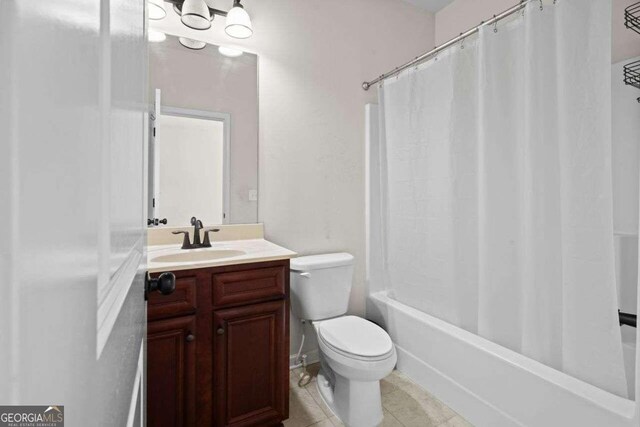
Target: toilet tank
(320,285)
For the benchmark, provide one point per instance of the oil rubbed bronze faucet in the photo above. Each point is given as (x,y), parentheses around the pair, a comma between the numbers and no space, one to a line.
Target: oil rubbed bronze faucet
(197,226)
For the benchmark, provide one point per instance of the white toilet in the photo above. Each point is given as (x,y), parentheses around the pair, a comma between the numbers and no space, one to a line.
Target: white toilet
(355,354)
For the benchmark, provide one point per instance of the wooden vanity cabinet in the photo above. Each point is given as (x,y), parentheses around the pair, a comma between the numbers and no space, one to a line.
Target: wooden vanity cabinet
(218,348)
(171,369)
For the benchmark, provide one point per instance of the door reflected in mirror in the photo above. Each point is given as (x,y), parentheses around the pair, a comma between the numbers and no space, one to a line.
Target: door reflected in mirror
(191,159)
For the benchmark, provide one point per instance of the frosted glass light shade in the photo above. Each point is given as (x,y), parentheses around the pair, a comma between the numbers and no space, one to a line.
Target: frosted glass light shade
(230,52)
(156,10)
(238,22)
(195,15)
(156,36)
(177,8)
(191,43)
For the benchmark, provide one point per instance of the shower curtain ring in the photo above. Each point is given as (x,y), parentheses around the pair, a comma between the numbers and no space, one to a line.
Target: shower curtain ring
(462,42)
(495,24)
(541,5)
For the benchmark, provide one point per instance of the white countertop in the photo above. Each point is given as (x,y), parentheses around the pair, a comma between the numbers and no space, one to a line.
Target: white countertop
(255,250)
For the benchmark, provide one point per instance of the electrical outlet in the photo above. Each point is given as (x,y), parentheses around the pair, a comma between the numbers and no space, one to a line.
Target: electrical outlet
(253,195)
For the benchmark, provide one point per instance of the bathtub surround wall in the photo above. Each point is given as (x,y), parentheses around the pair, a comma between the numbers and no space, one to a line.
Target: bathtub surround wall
(313,57)
(626,189)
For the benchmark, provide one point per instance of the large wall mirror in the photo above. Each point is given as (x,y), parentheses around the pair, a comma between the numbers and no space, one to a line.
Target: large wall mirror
(203,148)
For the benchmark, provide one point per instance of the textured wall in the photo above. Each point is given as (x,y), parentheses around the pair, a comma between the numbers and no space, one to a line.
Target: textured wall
(313,57)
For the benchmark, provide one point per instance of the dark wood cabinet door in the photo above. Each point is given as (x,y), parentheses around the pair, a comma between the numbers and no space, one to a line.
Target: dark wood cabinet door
(171,350)
(250,374)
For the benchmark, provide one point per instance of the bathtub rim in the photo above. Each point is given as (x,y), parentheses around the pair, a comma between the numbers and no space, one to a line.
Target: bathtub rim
(607,401)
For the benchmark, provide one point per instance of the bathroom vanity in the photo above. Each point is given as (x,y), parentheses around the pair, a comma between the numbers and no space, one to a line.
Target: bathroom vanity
(218,346)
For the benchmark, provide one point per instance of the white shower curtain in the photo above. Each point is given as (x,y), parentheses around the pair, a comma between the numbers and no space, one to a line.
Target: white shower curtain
(497,199)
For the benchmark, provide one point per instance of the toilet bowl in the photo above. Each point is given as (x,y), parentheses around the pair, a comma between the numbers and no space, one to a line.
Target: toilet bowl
(355,354)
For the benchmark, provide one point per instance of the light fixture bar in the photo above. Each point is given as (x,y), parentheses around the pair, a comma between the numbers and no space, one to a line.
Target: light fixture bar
(178,6)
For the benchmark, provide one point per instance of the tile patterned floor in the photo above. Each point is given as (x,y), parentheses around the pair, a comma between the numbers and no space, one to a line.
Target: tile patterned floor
(405,404)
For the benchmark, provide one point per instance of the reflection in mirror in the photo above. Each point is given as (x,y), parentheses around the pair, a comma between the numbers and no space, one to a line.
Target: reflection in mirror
(191,160)
(203,148)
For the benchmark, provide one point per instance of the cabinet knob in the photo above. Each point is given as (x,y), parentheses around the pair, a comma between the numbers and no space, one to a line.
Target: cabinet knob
(190,337)
(220,331)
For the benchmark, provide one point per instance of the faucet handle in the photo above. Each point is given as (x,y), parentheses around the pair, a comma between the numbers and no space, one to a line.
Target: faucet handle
(207,242)
(186,242)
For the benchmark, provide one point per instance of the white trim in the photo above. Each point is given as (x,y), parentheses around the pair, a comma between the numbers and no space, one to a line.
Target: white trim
(225,118)
(372,196)
(157,111)
(137,386)
(118,288)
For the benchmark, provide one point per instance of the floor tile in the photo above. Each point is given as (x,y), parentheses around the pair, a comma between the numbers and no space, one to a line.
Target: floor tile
(405,404)
(323,423)
(312,388)
(456,421)
(388,421)
(303,410)
(387,386)
(414,407)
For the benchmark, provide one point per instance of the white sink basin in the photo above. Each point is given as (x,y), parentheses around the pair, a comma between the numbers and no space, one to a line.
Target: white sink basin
(195,256)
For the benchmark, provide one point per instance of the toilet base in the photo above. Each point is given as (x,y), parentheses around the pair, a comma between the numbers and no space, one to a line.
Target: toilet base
(355,403)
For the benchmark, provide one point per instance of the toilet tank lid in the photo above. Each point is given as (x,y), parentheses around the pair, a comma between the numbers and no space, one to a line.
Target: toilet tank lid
(317,262)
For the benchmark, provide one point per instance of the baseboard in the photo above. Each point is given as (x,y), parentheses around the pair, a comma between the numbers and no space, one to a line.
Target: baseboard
(313,356)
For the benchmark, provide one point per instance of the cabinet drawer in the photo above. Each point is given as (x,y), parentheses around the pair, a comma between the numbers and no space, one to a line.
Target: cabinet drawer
(182,301)
(246,286)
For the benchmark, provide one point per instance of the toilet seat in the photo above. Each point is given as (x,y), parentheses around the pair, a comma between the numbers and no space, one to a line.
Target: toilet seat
(355,338)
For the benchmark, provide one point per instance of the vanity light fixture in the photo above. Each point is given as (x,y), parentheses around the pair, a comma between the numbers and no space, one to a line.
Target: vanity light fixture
(191,43)
(230,52)
(177,8)
(156,10)
(238,23)
(196,15)
(156,36)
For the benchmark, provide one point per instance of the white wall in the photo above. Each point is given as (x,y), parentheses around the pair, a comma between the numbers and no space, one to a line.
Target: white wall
(191,162)
(626,43)
(314,55)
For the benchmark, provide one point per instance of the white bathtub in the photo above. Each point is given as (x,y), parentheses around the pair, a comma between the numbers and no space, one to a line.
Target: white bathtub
(488,384)
(629,353)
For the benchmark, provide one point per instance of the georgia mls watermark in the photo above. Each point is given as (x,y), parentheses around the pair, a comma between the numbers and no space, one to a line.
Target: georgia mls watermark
(32,416)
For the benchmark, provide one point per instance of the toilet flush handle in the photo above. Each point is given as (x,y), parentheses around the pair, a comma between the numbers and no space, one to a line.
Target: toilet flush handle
(305,274)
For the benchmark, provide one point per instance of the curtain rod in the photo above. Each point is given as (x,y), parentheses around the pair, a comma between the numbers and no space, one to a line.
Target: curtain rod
(418,59)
